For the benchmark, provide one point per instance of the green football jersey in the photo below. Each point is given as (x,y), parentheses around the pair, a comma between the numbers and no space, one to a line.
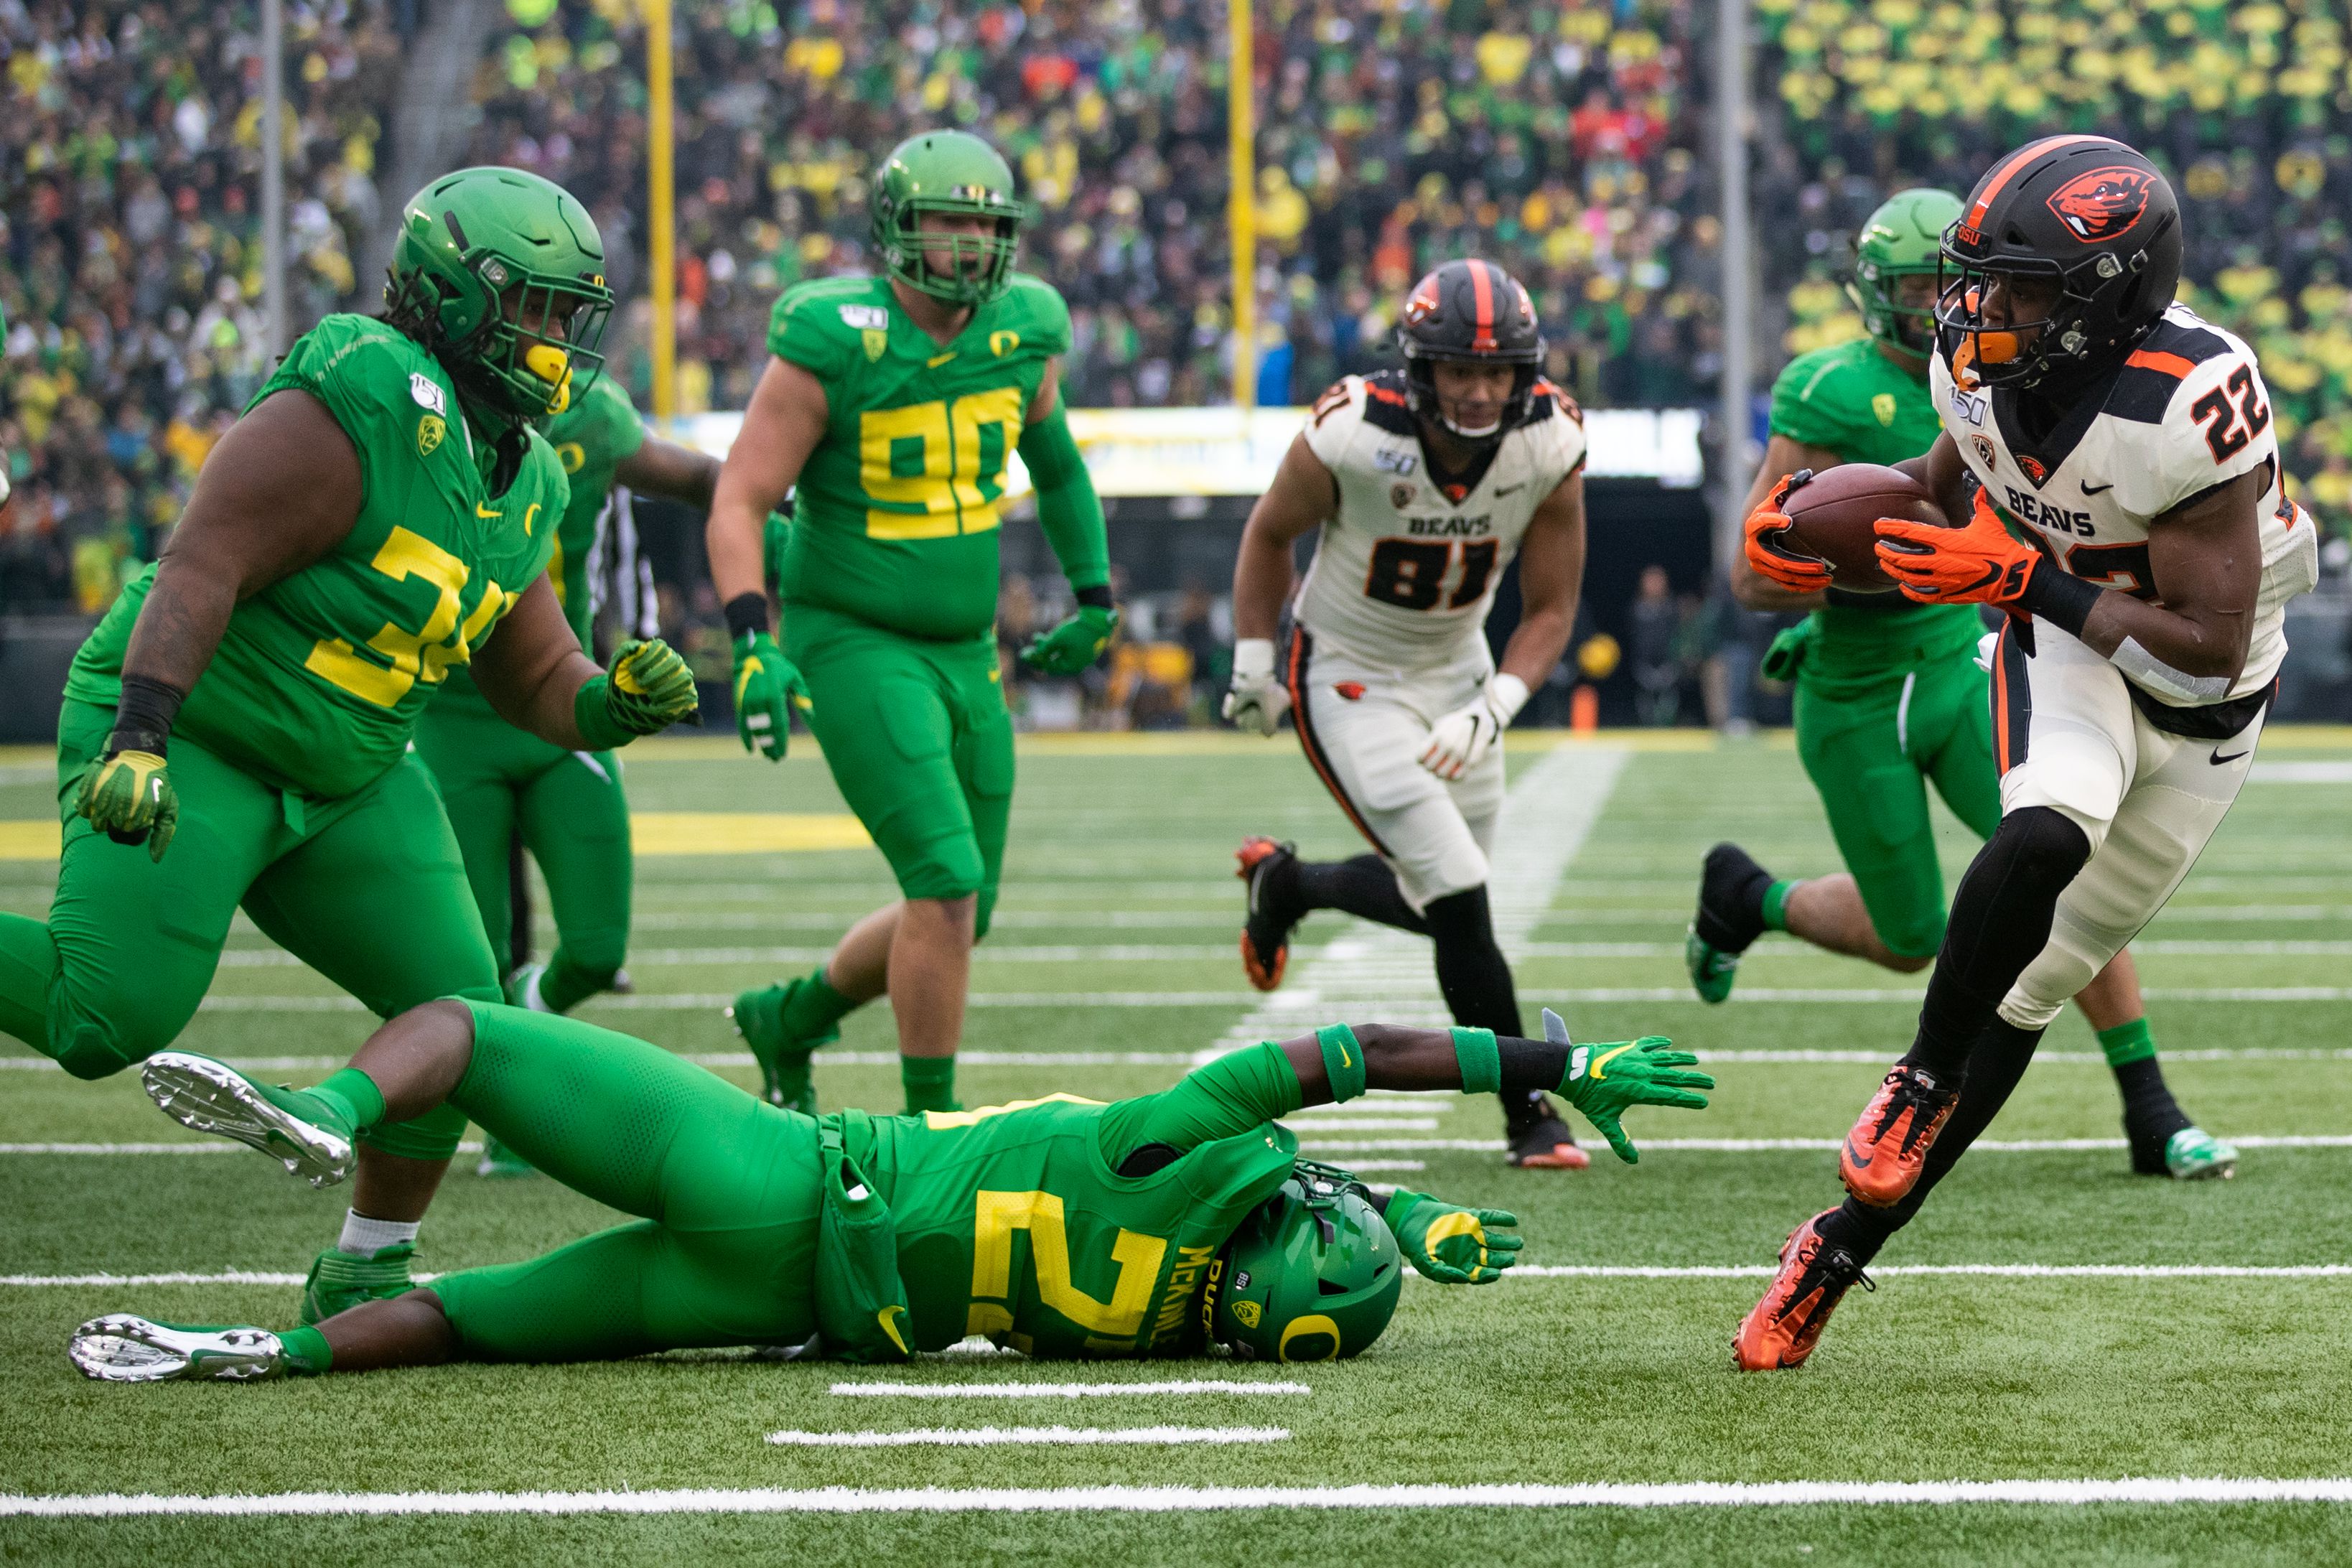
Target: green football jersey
(592,438)
(319,677)
(1853,401)
(1013,1221)
(897,511)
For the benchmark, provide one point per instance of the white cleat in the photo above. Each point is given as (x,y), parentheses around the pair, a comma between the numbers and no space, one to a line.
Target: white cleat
(208,1096)
(122,1348)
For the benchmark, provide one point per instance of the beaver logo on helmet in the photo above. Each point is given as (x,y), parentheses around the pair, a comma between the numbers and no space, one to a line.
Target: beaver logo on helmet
(1423,301)
(2104,203)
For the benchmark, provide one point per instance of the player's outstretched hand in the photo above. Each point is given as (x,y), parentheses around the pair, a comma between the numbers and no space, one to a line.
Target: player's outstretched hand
(1766,531)
(1453,1246)
(649,687)
(129,796)
(1074,643)
(767,689)
(1256,700)
(1605,1080)
(1977,565)
(1458,741)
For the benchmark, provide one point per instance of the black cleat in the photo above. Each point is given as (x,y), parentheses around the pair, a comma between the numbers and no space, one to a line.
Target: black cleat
(1266,867)
(1539,1139)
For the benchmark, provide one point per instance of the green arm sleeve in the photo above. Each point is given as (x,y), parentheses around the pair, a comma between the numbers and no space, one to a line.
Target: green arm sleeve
(1067,507)
(1239,1092)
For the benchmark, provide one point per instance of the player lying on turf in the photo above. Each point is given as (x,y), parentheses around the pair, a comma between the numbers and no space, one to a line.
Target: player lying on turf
(235,732)
(1426,485)
(2133,446)
(1059,1227)
(1890,695)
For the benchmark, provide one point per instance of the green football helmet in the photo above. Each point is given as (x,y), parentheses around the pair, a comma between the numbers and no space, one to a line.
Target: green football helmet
(947,171)
(1903,238)
(500,274)
(1312,1274)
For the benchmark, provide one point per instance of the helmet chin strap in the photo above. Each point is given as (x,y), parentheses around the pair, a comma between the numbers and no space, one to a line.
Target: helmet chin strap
(1482,433)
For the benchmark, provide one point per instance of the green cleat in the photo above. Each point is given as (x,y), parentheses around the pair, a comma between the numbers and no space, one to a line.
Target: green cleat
(1712,970)
(522,988)
(498,1162)
(759,1017)
(293,1128)
(341,1280)
(2193,1154)
(121,1348)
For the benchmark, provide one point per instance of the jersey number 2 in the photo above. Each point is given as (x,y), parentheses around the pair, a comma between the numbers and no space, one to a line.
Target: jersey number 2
(996,1216)
(1411,572)
(2223,432)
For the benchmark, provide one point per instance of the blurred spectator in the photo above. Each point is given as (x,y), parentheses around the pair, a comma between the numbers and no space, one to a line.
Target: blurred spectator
(1211,659)
(130,175)
(1655,623)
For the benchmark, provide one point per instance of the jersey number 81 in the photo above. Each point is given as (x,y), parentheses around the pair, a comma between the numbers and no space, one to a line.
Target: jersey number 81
(1410,574)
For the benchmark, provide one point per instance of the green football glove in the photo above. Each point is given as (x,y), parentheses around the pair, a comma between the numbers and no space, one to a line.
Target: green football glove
(1452,1246)
(648,688)
(767,687)
(1074,643)
(128,795)
(1603,1080)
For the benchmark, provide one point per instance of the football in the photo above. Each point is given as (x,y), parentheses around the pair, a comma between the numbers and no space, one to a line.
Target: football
(1831,515)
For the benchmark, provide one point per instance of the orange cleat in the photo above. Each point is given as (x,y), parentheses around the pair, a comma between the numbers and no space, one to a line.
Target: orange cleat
(1265,934)
(1888,1147)
(1780,1330)
(1538,1139)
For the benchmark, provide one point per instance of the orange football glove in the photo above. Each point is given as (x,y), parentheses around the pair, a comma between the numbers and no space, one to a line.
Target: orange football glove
(1977,565)
(1768,552)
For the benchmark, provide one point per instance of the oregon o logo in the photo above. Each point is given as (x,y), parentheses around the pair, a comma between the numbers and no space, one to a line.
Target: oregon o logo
(1322,1336)
(1003,344)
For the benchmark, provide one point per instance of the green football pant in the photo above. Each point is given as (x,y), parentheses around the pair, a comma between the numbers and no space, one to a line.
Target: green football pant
(919,743)
(497,780)
(1870,751)
(367,889)
(727,1189)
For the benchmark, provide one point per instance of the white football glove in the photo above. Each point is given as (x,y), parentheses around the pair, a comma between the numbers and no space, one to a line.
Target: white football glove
(1985,645)
(1458,741)
(1256,700)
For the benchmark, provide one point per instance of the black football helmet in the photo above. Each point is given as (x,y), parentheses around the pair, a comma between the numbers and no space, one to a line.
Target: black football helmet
(2084,211)
(1469,310)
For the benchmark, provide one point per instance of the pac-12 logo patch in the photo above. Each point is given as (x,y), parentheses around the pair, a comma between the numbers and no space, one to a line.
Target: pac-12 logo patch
(1984,449)
(429,432)
(1883,405)
(876,341)
(2104,203)
(1400,496)
(1248,1312)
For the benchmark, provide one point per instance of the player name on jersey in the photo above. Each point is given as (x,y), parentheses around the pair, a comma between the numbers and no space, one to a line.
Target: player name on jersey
(2186,412)
(1405,567)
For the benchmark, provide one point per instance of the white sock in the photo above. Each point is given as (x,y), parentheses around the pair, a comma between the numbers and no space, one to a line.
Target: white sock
(364,1238)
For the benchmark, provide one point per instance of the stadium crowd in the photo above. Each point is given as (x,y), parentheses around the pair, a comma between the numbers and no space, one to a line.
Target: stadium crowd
(1563,138)
(129,160)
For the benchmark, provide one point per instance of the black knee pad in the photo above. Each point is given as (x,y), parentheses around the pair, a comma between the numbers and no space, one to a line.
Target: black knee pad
(2040,846)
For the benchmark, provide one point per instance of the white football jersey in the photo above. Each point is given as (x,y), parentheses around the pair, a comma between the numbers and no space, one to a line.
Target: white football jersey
(2187,411)
(1404,575)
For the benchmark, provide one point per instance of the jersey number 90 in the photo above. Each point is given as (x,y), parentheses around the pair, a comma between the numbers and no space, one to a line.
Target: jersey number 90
(1411,574)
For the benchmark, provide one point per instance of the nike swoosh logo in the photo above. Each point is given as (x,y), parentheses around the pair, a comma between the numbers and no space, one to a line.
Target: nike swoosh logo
(1502,491)
(482,510)
(1862,1160)
(935,361)
(2098,489)
(2217,759)
(1600,1062)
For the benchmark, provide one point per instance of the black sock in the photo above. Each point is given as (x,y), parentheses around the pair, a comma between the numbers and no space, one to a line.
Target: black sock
(1471,968)
(1363,886)
(2151,1116)
(1999,922)
(1731,899)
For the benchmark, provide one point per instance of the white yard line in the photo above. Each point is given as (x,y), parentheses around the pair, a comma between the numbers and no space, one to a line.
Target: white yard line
(1030,1437)
(1371,968)
(2028,1491)
(1172,1388)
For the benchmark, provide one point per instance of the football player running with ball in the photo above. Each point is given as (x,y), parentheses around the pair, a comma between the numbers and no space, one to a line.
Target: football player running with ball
(1426,484)
(895,404)
(1058,1228)
(1890,696)
(499,781)
(236,731)
(2132,446)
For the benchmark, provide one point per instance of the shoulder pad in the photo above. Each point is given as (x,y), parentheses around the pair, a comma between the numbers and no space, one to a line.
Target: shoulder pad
(2155,368)
(1385,403)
